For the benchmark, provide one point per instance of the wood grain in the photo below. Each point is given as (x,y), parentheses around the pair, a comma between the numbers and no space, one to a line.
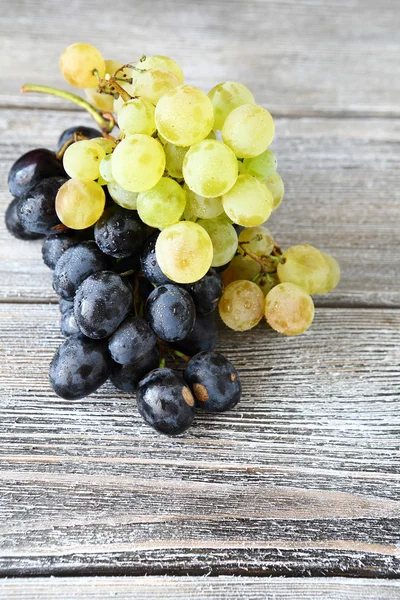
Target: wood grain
(197,588)
(301,478)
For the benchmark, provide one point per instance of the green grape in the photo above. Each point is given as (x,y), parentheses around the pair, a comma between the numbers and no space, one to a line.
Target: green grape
(161,62)
(256,240)
(107,144)
(242,305)
(333,277)
(163,205)
(248,130)
(240,268)
(267,282)
(261,166)
(174,156)
(79,204)
(289,309)
(249,202)
(224,240)
(154,84)
(105,169)
(103,101)
(82,160)
(275,185)
(203,208)
(184,115)
(78,62)
(138,162)
(184,252)
(137,116)
(187,214)
(122,197)
(227,96)
(304,266)
(210,168)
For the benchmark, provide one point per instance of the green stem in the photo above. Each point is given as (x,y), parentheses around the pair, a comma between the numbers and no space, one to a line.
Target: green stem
(162,363)
(105,120)
(184,357)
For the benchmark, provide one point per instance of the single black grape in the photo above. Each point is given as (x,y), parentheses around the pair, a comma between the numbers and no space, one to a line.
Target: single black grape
(37,210)
(148,260)
(133,339)
(101,303)
(31,168)
(68,324)
(79,367)
(214,381)
(165,402)
(119,232)
(202,338)
(86,132)
(127,377)
(14,224)
(75,265)
(206,292)
(55,245)
(65,305)
(170,312)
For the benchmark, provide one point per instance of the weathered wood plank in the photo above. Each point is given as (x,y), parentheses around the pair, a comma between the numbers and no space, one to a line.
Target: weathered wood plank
(298,56)
(301,478)
(343,195)
(197,588)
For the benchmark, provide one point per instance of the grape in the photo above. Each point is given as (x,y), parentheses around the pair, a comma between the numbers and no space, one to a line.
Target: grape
(79,204)
(128,87)
(214,381)
(122,197)
(82,160)
(149,263)
(165,402)
(106,170)
(289,309)
(257,240)
(54,246)
(14,224)
(163,205)
(184,116)
(78,62)
(248,130)
(31,168)
(184,252)
(65,305)
(304,266)
(202,338)
(127,377)
(249,202)
(199,206)
(79,367)
(154,84)
(68,325)
(119,232)
(240,268)
(107,144)
(227,96)
(224,240)
(174,156)
(131,341)
(333,277)
(101,303)
(267,282)
(206,292)
(36,211)
(137,116)
(275,185)
(170,312)
(79,130)
(104,101)
(161,62)
(210,168)
(261,166)
(138,162)
(242,305)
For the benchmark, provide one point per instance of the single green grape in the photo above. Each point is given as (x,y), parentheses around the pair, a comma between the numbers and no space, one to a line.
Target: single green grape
(249,202)
(122,197)
(275,185)
(79,204)
(224,240)
(256,240)
(82,160)
(138,162)
(333,277)
(107,144)
(240,268)
(105,169)
(78,63)
(203,208)
(227,96)
(163,204)
(174,156)
(289,309)
(262,166)
(161,62)
(137,116)
(210,168)
(248,130)
(242,305)
(304,266)
(154,84)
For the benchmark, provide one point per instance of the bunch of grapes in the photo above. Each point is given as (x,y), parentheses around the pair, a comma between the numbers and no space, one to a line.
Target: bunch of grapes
(148,230)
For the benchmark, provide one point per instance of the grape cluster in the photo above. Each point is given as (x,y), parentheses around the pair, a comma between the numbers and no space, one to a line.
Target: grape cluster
(149,230)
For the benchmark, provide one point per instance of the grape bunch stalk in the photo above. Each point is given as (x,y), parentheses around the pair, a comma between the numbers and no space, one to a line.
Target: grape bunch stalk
(153,221)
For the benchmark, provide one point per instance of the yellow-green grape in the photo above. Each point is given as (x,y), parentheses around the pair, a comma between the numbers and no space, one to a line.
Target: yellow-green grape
(227,96)
(203,208)
(174,156)
(137,116)
(163,205)
(261,166)
(275,185)
(184,115)
(249,202)
(256,240)
(82,160)
(210,168)
(248,130)
(162,62)
(224,240)
(242,305)
(305,266)
(333,277)
(184,252)
(162,139)
(103,101)
(105,169)
(240,268)
(289,309)
(138,162)
(79,204)
(107,144)
(78,62)
(267,282)
(123,197)
(153,84)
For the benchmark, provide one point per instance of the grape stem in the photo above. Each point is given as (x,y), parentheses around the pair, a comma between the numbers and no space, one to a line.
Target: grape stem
(184,357)
(105,120)
(162,363)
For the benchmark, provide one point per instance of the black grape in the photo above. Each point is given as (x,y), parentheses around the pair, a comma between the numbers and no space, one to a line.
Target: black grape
(131,341)
(119,232)
(14,224)
(64,305)
(170,312)
(31,168)
(127,377)
(149,263)
(202,338)
(68,325)
(206,292)
(37,211)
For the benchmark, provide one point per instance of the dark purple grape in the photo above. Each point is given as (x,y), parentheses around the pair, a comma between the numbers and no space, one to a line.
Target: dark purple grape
(148,260)
(14,224)
(65,305)
(165,402)
(127,377)
(119,232)
(31,168)
(202,338)
(87,132)
(68,325)
(55,245)
(131,341)
(206,292)
(37,210)
(214,381)
(170,312)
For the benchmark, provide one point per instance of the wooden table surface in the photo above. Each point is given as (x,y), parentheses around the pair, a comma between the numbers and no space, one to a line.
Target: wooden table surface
(302,478)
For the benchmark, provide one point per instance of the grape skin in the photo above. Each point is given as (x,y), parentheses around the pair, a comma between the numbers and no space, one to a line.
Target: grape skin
(240,268)
(154,84)
(227,96)
(79,204)
(137,116)
(262,166)
(122,197)
(289,309)
(82,160)
(248,130)
(304,266)
(78,62)
(210,168)
(138,162)
(333,277)
(253,244)
(224,240)
(242,305)
(174,156)
(275,185)
(161,62)
(201,207)
(106,169)
(249,202)
(163,205)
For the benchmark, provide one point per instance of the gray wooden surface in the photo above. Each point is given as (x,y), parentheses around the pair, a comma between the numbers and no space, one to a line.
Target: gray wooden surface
(303,477)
